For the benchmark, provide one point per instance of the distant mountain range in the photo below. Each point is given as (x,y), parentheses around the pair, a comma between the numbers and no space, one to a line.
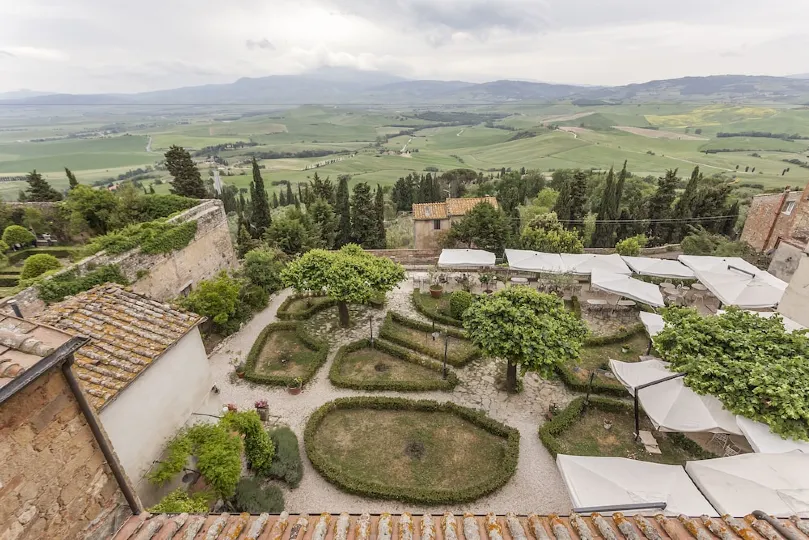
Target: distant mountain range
(349,86)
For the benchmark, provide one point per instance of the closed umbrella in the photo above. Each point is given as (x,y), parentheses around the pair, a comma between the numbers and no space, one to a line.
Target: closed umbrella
(626,286)
(465,258)
(764,441)
(535,261)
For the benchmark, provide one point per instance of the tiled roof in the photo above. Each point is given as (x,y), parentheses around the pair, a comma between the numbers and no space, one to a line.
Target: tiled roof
(449,208)
(450,527)
(23,344)
(127,333)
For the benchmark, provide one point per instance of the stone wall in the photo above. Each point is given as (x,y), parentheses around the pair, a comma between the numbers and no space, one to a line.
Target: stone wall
(785,260)
(409,257)
(764,210)
(165,275)
(54,480)
(796,297)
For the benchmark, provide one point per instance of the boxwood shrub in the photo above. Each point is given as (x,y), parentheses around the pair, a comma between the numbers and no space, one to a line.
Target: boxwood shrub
(431,313)
(337,379)
(320,305)
(317,349)
(388,333)
(417,495)
(623,335)
(60,252)
(569,379)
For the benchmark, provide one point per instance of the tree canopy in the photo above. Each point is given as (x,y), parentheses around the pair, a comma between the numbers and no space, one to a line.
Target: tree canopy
(39,190)
(544,233)
(750,363)
(484,227)
(17,234)
(187,180)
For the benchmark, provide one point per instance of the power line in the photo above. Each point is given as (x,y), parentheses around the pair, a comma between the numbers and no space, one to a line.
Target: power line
(660,220)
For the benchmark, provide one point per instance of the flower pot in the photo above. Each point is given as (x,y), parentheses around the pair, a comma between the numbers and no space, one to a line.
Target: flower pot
(294,390)
(436,291)
(263,412)
(240,374)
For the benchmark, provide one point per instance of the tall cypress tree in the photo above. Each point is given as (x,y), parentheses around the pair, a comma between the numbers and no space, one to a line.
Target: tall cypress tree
(686,205)
(274,199)
(39,190)
(71,178)
(379,207)
(259,203)
(187,180)
(659,207)
(282,199)
(343,210)
(571,201)
(603,233)
(290,195)
(363,217)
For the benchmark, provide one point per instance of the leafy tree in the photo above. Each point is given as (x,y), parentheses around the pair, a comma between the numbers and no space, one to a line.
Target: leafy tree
(631,246)
(547,235)
(38,264)
(290,196)
(659,207)
(484,227)
(322,189)
(258,447)
(98,209)
(323,217)
(686,205)
(379,214)
(364,230)
(39,190)
(343,211)
(288,235)
(571,201)
(187,180)
(262,267)
(402,194)
(751,364)
(348,275)
(15,234)
(71,178)
(215,298)
(259,203)
(525,327)
(541,204)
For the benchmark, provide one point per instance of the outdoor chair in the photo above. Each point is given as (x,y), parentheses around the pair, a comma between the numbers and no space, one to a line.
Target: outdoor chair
(721,439)
(731,450)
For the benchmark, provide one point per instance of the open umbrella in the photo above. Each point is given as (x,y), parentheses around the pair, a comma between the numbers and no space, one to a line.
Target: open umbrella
(652,322)
(736,287)
(665,268)
(584,264)
(764,441)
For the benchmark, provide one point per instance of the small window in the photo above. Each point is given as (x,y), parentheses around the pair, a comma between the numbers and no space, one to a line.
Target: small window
(789,207)
(186,291)
(436,224)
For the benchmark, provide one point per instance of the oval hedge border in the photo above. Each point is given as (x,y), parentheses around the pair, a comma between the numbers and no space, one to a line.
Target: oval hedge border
(393,317)
(430,313)
(317,348)
(400,386)
(419,495)
(282,313)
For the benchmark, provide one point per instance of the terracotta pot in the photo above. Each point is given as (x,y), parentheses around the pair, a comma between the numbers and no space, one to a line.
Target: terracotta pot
(436,292)
(294,390)
(263,412)
(240,374)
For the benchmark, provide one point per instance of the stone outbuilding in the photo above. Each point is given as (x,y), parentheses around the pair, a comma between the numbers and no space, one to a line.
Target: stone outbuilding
(432,220)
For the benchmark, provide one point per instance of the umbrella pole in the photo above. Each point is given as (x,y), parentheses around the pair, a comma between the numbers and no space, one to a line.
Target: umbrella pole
(647,385)
(637,416)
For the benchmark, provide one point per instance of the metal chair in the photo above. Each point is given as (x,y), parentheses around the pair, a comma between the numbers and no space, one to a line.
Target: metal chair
(720,439)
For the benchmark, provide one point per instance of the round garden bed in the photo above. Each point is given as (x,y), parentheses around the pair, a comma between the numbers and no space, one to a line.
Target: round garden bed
(413,451)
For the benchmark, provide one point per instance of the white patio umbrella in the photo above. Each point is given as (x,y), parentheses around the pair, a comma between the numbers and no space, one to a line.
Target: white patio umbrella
(612,481)
(764,441)
(707,263)
(626,286)
(664,268)
(746,290)
(671,405)
(652,322)
(777,484)
(535,261)
(465,258)
(583,264)
(789,324)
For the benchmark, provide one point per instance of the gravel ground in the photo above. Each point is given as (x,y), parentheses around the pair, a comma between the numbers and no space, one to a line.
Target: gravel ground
(536,486)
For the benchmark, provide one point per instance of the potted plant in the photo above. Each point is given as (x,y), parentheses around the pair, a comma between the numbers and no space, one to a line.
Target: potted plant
(263,409)
(240,368)
(294,387)
(485,279)
(436,290)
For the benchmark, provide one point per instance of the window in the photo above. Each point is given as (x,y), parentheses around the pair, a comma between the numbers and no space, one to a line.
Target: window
(436,224)
(789,207)
(186,290)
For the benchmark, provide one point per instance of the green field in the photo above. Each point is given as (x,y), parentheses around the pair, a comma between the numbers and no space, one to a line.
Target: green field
(589,142)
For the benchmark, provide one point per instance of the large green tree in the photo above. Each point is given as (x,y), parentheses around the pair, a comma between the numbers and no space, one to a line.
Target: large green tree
(39,190)
(349,275)
(323,189)
(483,227)
(570,205)
(609,209)
(659,208)
(750,363)
(343,211)
(260,217)
(71,178)
(363,217)
(187,180)
(544,233)
(293,233)
(685,206)
(324,218)
(402,194)
(526,328)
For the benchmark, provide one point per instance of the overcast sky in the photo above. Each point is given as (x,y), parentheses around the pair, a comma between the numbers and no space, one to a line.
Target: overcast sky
(124,46)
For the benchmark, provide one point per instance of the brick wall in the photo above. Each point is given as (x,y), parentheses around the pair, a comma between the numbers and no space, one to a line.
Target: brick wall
(764,210)
(54,480)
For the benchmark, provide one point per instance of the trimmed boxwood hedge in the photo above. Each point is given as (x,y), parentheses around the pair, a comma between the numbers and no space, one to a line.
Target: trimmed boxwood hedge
(285,315)
(420,495)
(623,335)
(431,313)
(393,317)
(569,379)
(9,280)
(318,349)
(400,386)
(60,252)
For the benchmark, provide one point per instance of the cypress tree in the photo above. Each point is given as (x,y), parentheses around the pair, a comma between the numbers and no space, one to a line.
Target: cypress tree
(686,205)
(729,225)
(363,217)
(187,180)
(379,207)
(151,189)
(282,199)
(343,210)
(39,190)
(571,201)
(603,233)
(274,199)
(290,195)
(259,203)
(659,207)
(71,178)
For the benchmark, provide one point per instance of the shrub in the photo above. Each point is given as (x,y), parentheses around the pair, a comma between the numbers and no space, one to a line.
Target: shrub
(179,502)
(430,313)
(253,297)
(3,246)
(560,423)
(316,348)
(59,287)
(322,303)
(253,498)
(262,267)
(38,264)
(458,302)
(631,247)
(17,234)
(215,298)
(286,465)
(258,447)
(153,237)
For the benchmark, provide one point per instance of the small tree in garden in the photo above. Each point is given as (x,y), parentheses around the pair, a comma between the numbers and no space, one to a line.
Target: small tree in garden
(215,298)
(751,364)
(544,233)
(631,246)
(17,234)
(349,275)
(484,227)
(525,327)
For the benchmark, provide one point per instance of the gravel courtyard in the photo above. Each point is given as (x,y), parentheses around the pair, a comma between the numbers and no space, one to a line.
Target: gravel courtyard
(536,486)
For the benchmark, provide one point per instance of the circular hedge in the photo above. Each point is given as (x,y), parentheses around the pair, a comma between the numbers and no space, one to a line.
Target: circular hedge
(495,474)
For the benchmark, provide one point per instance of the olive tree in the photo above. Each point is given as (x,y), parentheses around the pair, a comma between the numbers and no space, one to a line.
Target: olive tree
(348,275)
(525,327)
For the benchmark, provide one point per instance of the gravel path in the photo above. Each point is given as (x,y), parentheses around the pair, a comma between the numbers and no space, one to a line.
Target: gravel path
(536,486)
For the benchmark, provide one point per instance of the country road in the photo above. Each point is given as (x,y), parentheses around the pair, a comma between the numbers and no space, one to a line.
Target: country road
(149,144)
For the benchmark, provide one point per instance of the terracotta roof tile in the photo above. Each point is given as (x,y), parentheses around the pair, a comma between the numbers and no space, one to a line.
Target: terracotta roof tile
(452,527)
(23,344)
(449,208)
(127,333)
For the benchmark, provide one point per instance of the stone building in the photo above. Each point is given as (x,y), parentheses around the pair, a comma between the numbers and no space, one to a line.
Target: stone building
(59,477)
(432,220)
(795,303)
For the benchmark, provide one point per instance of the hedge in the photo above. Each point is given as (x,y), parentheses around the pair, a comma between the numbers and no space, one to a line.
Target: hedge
(60,252)
(623,335)
(416,495)
(399,386)
(387,333)
(9,281)
(569,379)
(433,314)
(318,349)
(285,315)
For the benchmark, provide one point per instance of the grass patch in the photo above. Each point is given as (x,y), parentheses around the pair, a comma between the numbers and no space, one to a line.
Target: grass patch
(387,367)
(576,375)
(431,453)
(436,309)
(286,463)
(417,336)
(300,307)
(282,353)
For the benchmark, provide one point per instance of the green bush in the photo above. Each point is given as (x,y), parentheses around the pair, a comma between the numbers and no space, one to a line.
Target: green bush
(69,283)
(431,313)
(569,379)
(179,502)
(60,252)
(17,234)
(215,298)
(459,301)
(623,335)
(38,264)
(631,247)
(3,246)
(318,349)
(398,386)
(426,494)
(153,237)
(253,498)
(322,303)
(286,465)
(253,297)
(388,332)
(258,447)
(262,267)
(172,238)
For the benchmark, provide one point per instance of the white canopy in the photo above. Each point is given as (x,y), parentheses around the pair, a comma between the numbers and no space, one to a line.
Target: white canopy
(635,289)
(777,484)
(584,264)
(671,405)
(764,441)
(535,261)
(735,288)
(465,258)
(665,268)
(603,481)
(789,324)
(707,263)
(652,322)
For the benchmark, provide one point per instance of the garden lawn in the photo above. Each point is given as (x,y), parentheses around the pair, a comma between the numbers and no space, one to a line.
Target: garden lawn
(301,305)
(440,305)
(375,365)
(409,449)
(285,345)
(588,437)
(598,357)
(459,351)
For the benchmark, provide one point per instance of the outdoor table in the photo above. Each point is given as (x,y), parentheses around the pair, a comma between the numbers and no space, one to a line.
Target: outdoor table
(521,280)
(596,302)
(627,303)
(699,287)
